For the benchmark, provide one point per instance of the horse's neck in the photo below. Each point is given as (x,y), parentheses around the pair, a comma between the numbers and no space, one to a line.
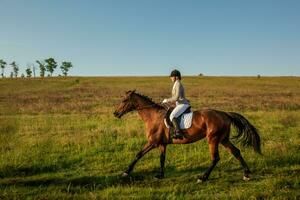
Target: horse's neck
(147,111)
(148,114)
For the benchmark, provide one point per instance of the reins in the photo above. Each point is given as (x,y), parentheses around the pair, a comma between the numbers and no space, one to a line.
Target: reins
(152,105)
(144,107)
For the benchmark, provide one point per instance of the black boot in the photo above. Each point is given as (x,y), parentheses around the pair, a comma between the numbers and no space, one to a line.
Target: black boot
(178,133)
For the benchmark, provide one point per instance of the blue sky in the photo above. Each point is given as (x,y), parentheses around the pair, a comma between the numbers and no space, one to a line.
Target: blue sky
(151,37)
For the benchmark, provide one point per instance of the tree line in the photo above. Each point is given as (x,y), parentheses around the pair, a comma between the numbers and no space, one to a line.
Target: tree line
(47,65)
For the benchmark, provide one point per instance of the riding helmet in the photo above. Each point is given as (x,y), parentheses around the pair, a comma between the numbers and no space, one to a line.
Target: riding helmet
(175,73)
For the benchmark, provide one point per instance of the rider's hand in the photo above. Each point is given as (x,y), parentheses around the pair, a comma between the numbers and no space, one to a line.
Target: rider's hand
(165,101)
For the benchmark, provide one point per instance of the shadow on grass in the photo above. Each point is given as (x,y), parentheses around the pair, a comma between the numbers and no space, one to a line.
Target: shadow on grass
(101,182)
(14,171)
(171,172)
(98,182)
(284,161)
(88,182)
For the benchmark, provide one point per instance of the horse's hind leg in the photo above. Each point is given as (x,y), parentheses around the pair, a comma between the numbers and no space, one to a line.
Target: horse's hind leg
(237,154)
(214,154)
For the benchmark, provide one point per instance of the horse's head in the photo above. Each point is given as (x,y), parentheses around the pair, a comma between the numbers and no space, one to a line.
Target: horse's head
(126,105)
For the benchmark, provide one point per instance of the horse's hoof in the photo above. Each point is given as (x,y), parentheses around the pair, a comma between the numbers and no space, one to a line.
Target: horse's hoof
(246,178)
(201,179)
(159,176)
(124,175)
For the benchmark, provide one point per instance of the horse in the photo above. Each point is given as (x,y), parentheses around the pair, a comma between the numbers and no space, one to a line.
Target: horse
(214,125)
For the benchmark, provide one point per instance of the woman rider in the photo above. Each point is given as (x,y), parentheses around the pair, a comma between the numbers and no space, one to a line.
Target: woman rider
(179,99)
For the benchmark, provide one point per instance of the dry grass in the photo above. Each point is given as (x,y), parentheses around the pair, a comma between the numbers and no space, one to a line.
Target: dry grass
(91,95)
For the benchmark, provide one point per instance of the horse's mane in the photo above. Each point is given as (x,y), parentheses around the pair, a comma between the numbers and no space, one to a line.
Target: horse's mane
(148,99)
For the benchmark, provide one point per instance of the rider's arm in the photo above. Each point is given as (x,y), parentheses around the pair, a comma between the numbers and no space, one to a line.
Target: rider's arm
(175,93)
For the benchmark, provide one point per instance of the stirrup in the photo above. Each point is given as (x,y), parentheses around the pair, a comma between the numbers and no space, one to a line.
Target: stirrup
(178,135)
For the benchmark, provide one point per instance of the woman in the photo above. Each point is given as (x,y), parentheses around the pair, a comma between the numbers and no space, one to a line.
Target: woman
(179,99)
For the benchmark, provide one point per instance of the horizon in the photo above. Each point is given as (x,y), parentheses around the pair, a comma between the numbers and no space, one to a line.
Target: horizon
(151,38)
(154,76)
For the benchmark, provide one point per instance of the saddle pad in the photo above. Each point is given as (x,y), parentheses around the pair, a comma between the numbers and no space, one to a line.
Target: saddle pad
(185,121)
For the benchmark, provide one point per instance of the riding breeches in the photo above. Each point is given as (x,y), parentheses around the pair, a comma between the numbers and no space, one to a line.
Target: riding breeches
(178,110)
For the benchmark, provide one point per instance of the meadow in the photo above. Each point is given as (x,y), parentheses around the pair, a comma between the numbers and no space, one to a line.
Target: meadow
(60,140)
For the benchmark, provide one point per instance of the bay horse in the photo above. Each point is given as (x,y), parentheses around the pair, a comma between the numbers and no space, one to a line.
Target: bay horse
(209,123)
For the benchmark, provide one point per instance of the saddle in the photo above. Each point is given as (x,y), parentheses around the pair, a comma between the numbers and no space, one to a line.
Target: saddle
(170,109)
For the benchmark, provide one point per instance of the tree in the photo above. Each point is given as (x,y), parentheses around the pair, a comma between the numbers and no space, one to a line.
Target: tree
(2,65)
(28,71)
(42,67)
(51,64)
(65,66)
(33,69)
(15,68)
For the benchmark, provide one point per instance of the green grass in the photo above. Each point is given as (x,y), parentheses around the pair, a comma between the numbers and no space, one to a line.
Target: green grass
(59,140)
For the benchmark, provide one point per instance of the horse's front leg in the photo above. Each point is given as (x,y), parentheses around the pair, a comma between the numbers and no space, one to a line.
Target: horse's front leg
(162,149)
(138,156)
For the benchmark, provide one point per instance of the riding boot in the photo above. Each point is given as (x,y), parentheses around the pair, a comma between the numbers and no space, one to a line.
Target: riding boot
(178,133)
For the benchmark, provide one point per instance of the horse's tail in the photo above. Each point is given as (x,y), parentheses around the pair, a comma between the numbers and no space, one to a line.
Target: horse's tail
(247,134)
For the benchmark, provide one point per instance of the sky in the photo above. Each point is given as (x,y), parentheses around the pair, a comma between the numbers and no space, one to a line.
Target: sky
(153,37)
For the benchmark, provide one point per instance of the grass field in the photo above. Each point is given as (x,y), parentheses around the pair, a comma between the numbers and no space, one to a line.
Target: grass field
(59,140)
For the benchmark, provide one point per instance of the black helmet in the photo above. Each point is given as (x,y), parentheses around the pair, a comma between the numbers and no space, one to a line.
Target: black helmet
(174,73)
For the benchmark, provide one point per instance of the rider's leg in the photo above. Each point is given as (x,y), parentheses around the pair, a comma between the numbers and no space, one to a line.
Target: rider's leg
(178,110)
(178,133)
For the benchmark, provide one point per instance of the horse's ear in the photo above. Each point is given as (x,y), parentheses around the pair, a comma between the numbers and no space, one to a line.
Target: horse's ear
(129,92)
